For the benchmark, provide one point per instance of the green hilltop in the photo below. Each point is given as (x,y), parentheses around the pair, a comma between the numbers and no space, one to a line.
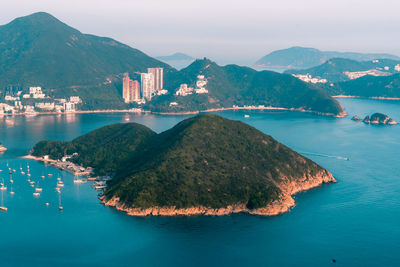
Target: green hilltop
(40,50)
(102,149)
(234,85)
(206,161)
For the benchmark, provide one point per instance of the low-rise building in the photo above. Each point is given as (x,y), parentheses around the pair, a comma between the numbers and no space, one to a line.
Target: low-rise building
(69,107)
(184,90)
(45,106)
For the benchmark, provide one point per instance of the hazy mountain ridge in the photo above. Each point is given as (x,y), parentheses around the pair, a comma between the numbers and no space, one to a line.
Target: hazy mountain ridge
(303,58)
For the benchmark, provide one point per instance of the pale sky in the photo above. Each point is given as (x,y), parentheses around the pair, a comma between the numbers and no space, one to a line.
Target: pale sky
(228,31)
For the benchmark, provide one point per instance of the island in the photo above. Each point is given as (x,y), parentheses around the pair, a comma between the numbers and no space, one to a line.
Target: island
(356,118)
(379,119)
(205,165)
(2,148)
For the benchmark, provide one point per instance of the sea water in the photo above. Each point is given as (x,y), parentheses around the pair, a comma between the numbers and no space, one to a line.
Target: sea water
(355,222)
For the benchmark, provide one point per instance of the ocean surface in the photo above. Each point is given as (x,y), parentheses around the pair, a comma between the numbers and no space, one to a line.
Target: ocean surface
(356,221)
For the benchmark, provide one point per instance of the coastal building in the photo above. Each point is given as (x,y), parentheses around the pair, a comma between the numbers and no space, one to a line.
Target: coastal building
(184,90)
(45,106)
(69,107)
(158,77)
(201,85)
(147,85)
(130,89)
(36,92)
(75,99)
(309,79)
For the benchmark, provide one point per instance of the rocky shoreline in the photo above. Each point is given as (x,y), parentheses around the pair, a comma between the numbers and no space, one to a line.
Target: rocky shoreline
(283,205)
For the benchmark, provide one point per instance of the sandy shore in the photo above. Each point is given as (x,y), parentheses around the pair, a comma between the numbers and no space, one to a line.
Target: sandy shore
(282,205)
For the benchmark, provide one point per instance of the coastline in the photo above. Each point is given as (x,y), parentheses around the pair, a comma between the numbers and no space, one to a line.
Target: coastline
(282,205)
(77,112)
(365,97)
(65,166)
(340,115)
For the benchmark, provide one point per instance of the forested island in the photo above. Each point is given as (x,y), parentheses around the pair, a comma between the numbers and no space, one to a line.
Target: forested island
(205,165)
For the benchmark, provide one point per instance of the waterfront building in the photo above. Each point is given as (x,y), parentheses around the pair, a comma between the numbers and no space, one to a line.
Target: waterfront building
(158,76)
(69,107)
(147,85)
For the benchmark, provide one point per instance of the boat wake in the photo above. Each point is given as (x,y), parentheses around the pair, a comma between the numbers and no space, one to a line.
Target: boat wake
(324,155)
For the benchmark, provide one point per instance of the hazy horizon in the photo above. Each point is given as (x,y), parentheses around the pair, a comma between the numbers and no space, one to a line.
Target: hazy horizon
(228,32)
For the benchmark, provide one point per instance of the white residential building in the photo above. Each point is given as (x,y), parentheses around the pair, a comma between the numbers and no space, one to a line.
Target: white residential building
(147,85)
(45,106)
(69,107)
(75,99)
(36,92)
(158,76)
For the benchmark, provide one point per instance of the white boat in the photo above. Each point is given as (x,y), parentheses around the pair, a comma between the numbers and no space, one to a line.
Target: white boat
(12,193)
(23,173)
(60,184)
(247,116)
(58,189)
(36,194)
(2,207)
(38,189)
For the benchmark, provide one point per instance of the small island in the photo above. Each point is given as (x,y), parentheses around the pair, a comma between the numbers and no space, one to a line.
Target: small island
(379,119)
(205,165)
(2,148)
(356,118)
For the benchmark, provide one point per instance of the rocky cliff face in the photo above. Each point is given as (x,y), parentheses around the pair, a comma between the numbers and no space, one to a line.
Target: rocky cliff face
(283,204)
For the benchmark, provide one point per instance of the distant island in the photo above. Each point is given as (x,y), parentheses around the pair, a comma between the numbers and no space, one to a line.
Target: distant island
(205,165)
(379,119)
(304,57)
(177,60)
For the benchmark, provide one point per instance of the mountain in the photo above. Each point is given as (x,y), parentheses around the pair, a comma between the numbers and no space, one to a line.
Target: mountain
(176,57)
(342,69)
(40,50)
(303,58)
(234,85)
(177,60)
(212,165)
(101,149)
(369,86)
(204,165)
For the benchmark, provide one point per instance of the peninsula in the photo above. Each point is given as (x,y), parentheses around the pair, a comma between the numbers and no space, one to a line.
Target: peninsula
(205,165)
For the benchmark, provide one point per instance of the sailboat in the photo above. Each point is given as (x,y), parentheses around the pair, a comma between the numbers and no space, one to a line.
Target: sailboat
(2,189)
(2,186)
(60,207)
(2,207)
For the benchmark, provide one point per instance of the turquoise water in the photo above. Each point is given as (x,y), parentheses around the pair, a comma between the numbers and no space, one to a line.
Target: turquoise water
(355,221)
